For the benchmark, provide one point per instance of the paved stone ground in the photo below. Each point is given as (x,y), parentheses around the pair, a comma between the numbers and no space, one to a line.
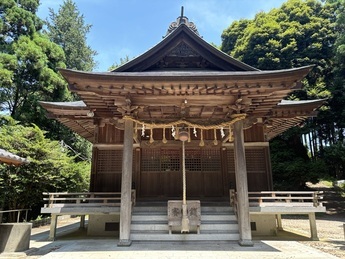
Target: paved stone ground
(69,245)
(331,244)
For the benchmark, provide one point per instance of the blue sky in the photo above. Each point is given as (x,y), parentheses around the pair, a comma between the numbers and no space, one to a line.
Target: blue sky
(130,27)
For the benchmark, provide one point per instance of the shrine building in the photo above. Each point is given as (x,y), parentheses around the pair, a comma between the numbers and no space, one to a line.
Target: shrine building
(183,122)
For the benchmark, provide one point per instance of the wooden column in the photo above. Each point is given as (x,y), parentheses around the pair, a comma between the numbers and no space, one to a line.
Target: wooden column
(126,186)
(242,186)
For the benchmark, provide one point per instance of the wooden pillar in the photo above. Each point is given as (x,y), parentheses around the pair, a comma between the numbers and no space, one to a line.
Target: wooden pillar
(126,186)
(313,230)
(242,186)
(53,224)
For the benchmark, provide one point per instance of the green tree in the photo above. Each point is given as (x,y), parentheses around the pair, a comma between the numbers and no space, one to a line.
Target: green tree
(28,62)
(116,65)
(67,28)
(299,33)
(51,169)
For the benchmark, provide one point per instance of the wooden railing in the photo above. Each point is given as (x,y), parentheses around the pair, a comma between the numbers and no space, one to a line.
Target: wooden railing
(285,198)
(279,198)
(233,200)
(82,199)
(18,215)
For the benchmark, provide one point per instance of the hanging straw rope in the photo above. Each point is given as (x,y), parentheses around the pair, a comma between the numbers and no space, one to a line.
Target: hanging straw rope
(235,118)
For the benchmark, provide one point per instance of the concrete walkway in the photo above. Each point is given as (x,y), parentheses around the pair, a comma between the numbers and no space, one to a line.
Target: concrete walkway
(105,248)
(70,246)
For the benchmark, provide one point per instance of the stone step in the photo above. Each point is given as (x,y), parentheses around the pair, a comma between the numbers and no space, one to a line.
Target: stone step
(216,209)
(204,209)
(217,227)
(184,237)
(218,223)
(149,209)
(149,217)
(150,227)
(217,217)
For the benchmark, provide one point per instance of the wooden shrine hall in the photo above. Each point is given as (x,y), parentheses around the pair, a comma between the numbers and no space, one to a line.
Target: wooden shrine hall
(183,121)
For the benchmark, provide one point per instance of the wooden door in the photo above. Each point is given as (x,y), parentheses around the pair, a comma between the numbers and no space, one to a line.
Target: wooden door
(161,173)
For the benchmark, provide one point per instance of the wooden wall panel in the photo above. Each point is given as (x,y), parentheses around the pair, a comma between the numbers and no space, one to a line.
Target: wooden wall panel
(258,168)
(254,133)
(172,184)
(109,135)
(213,181)
(107,170)
(108,182)
(195,184)
(151,184)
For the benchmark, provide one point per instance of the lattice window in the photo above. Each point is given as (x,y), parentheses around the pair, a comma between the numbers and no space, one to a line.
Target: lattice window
(210,160)
(193,160)
(231,161)
(256,160)
(109,161)
(170,160)
(150,160)
(197,160)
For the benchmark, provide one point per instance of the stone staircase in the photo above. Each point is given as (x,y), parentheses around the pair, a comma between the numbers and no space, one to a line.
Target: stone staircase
(218,223)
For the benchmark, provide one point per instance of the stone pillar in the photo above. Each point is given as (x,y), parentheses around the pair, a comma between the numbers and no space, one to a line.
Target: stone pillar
(126,186)
(313,230)
(82,222)
(53,224)
(279,222)
(242,186)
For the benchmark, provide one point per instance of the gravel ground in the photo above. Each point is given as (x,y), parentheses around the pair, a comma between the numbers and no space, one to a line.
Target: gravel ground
(330,231)
(330,226)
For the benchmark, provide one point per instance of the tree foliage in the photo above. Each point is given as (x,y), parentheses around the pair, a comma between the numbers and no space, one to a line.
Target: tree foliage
(28,62)
(50,168)
(299,33)
(67,28)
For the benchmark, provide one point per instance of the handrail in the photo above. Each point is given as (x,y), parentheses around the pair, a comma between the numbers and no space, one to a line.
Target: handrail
(18,215)
(280,198)
(79,199)
(307,198)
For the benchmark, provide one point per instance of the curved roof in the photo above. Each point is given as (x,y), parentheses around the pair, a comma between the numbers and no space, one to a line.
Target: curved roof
(11,159)
(183,76)
(183,49)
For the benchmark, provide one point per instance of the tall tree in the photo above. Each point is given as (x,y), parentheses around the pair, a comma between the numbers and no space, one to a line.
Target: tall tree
(28,62)
(299,33)
(67,28)
(334,154)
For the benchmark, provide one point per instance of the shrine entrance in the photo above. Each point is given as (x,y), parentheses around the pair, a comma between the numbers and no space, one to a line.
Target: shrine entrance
(161,173)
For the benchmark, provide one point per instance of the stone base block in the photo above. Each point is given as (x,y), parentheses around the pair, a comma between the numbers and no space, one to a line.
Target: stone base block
(103,225)
(263,224)
(15,237)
